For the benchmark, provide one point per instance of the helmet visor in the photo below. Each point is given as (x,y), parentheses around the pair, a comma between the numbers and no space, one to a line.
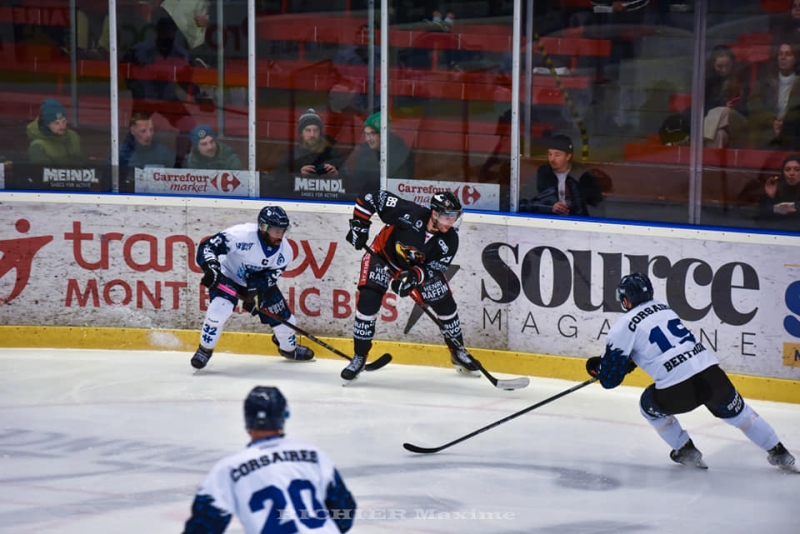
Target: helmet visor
(272,231)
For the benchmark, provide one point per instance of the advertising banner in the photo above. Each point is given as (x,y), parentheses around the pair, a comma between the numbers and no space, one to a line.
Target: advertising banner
(472,196)
(294,186)
(194,182)
(84,178)
(522,284)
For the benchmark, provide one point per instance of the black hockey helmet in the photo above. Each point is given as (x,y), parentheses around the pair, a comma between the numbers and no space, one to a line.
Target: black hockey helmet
(636,287)
(446,203)
(272,217)
(265,408)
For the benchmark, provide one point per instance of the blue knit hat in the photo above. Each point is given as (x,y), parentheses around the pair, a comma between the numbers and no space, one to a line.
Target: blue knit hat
(51,110)
(200,132)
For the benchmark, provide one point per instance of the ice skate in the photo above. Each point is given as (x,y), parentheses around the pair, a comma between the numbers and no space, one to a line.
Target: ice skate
(463,363)
(780,457)
(352,371)
(201,357)
(688,455)
(300,353)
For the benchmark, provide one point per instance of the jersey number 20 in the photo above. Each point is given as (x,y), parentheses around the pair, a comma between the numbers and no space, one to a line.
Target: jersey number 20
(274,525)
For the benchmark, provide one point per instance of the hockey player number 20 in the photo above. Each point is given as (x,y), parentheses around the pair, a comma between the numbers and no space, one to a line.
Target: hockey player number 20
(676,328)
(277,513)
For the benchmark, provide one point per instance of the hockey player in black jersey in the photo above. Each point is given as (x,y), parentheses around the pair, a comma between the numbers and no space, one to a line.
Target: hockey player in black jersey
(411,254)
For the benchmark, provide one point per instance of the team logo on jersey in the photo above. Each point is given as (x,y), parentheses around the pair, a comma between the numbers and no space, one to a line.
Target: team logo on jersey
(281,259)
(445,248)
(244,246)
(410,254)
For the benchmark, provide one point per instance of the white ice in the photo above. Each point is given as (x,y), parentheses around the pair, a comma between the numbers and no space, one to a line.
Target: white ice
(117,442)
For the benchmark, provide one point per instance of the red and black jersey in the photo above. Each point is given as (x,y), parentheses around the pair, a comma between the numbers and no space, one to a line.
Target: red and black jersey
(405,241)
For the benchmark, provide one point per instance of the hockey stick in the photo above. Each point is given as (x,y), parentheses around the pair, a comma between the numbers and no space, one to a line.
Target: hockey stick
(429,450)
(507,384)
(372,366)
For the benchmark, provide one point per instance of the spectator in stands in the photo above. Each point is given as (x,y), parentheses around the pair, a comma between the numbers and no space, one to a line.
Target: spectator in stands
(363,166)
(51,141)
(153,94)
(786,28)
(314,154)
(621,23)
(208,153)
(139,150)
(191,17)
(561,187)
(774,103)
(725,122)
(781,196)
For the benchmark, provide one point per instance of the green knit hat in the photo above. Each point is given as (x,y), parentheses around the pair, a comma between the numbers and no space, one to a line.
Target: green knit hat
(374,121)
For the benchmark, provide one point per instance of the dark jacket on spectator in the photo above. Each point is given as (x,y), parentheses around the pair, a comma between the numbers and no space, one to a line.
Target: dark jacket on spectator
(299,156)
(135,156)
(784,193)
(582,190)
(363,166)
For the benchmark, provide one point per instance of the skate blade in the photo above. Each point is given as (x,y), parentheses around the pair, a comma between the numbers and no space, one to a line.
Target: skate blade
(466,372)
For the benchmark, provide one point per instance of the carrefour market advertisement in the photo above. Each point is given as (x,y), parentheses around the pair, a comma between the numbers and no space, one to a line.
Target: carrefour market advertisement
(522,284)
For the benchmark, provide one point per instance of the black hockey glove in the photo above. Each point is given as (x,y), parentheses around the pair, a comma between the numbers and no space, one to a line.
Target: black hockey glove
(212,275)
(359,233)
(593,366)
(405,282)
(252,301)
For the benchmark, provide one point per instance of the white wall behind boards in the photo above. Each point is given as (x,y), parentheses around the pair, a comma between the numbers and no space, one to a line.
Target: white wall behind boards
(522,284)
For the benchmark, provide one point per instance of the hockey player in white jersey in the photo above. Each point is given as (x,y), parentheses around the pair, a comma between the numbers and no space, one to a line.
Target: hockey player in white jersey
(686,374)
(276,484)
(245,261)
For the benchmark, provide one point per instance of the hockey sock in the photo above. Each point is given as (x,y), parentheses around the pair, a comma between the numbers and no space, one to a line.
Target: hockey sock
(287,339)
(363,332)
(451,330)
(669,429)
(754,427)
(219,310)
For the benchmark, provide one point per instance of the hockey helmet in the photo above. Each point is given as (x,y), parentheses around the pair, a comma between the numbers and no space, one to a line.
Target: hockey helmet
(636,287)
(265,408)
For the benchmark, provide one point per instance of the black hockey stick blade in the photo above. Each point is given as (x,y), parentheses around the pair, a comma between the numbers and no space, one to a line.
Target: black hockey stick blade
(373,366)
(379,363)
(429,450)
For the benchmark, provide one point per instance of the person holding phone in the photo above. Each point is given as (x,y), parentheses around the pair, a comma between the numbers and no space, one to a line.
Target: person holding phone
(781,196)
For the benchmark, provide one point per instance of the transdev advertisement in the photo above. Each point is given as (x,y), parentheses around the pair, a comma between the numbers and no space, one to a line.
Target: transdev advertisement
(520,283)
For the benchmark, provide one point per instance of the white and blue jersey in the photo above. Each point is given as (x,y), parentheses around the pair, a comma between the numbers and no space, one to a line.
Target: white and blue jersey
(654,337)
(244,258)
(275,485)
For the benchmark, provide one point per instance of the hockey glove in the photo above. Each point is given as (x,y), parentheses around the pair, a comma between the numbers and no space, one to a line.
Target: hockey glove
(359,233)
(252,301)
(213,274)
(405,282)
(593,366)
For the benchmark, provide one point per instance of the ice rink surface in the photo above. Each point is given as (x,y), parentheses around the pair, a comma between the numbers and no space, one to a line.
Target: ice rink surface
(117,442)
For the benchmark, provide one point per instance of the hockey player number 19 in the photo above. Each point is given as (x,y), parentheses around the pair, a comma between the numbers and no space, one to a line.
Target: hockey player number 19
(677,330)
(273,525)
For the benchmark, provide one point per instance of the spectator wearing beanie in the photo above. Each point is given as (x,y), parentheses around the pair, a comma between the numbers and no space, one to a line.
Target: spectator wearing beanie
(313,154)
(561,187)
(363,167)
(208,153)
(51,142)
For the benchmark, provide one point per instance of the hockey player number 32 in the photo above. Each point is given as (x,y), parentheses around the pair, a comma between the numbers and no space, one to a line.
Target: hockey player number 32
(676,328)
(314,519)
